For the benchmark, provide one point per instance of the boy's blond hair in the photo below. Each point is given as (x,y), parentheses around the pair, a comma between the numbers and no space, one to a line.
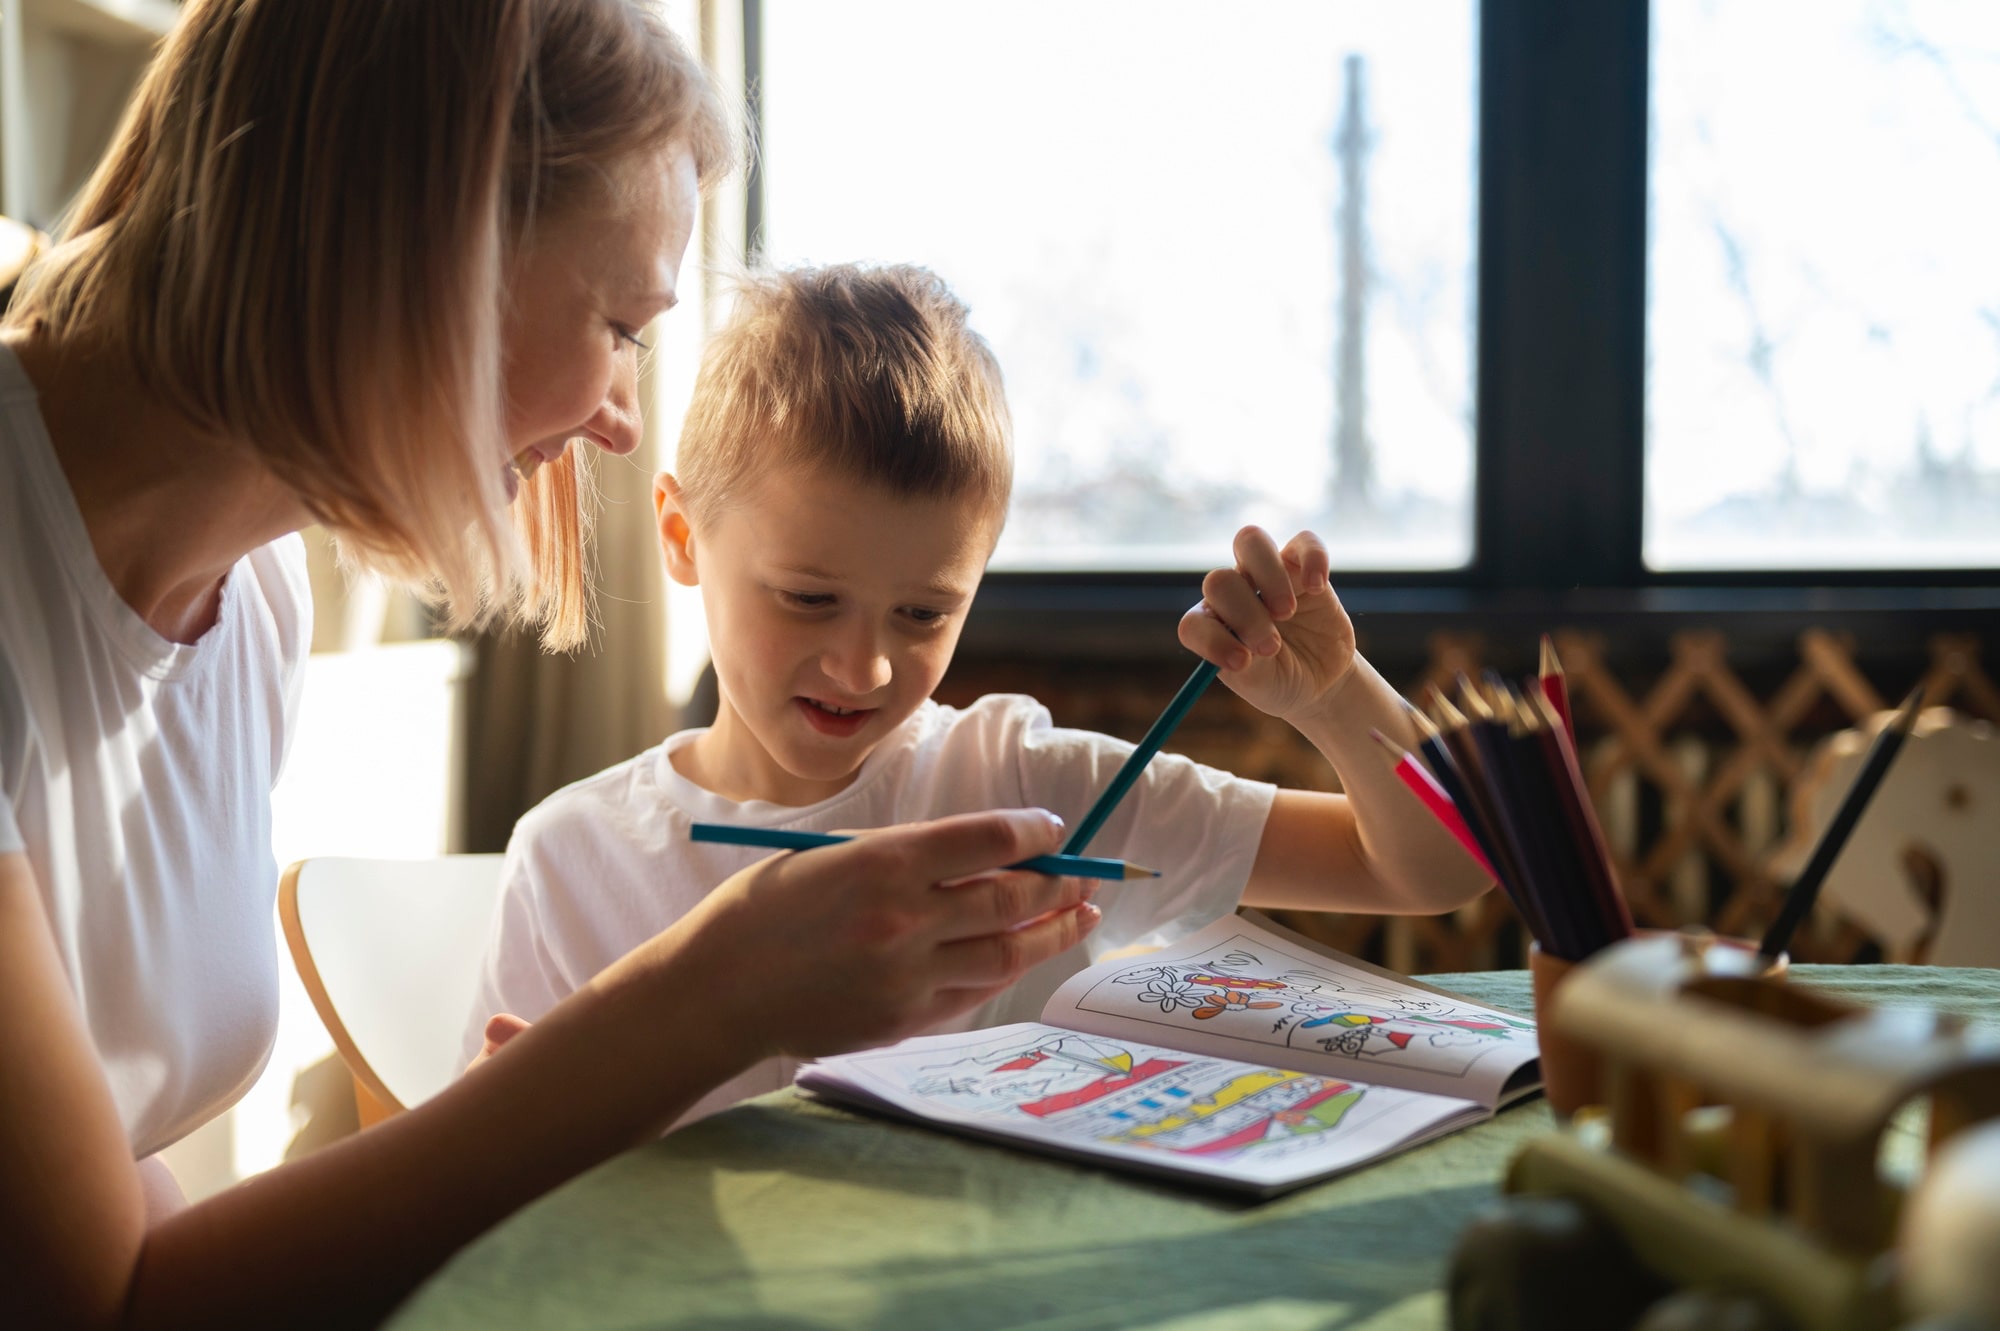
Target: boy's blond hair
(869,372)
(300,238)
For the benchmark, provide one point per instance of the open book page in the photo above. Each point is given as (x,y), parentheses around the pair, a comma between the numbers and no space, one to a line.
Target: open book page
(1244,989)
(1155,1109)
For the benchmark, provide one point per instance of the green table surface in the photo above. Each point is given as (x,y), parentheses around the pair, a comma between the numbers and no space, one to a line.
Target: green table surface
(784,1213)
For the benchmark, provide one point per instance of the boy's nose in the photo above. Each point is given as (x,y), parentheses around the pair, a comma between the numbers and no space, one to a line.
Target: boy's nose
(858,667)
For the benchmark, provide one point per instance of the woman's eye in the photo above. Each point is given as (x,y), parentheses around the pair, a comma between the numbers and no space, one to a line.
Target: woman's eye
(627,335)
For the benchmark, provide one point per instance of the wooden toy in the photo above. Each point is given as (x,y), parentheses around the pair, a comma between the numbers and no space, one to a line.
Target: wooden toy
(1754,1153)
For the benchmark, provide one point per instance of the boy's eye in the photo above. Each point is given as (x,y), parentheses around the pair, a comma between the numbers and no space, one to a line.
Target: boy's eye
(924,615)
(808,600)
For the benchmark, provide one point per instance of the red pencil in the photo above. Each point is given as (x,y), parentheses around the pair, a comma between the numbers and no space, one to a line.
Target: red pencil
(1426,788)
(1555,687)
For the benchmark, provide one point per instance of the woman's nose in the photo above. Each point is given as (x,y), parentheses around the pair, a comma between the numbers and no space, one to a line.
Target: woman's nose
(617,426)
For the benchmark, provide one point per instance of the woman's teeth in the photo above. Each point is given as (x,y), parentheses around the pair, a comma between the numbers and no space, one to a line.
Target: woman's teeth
(837,711)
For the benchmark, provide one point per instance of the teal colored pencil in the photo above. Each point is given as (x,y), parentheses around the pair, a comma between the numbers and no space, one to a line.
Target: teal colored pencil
(1197,684)
(771,838)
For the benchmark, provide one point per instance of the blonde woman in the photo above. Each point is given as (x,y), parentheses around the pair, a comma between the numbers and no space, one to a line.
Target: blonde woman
(379,265)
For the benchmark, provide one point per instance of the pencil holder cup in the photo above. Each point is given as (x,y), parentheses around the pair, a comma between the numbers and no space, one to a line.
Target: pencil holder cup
(1573,1072)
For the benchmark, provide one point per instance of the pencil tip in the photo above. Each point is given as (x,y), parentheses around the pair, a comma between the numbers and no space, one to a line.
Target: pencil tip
(1449,716)
(1396,750)
(1906,715)
(1551,663)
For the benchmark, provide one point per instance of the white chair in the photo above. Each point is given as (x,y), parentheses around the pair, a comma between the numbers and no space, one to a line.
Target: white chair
(1921,873)
(389,951)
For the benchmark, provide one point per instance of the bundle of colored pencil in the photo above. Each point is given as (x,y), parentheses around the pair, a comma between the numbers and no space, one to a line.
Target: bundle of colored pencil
(1503,776)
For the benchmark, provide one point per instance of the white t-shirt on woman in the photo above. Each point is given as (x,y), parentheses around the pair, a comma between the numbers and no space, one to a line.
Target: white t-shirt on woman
(136,773)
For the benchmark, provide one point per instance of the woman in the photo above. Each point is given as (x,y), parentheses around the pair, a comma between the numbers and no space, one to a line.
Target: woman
(377,265)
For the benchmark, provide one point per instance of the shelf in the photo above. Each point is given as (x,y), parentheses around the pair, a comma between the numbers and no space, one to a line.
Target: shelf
(114,22)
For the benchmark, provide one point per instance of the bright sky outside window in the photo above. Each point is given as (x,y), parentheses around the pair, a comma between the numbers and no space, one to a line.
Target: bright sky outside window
(1224,253)
(1824,307)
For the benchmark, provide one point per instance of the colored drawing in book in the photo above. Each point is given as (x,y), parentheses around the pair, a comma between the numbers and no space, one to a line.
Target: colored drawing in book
(1100,1090)
(1254,991)
(1038,1075)
(1266,1112)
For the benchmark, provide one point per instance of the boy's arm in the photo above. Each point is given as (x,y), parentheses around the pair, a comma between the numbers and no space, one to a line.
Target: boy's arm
(1286,645)
(518,976)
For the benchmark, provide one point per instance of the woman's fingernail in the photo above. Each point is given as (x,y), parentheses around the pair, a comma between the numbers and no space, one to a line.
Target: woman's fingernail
(1055,820)
(1089,915)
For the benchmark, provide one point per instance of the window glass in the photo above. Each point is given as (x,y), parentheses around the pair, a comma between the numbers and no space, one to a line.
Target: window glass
(1823,386)
(1224,253)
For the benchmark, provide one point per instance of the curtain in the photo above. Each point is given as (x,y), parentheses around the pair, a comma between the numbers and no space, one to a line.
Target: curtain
(533,721)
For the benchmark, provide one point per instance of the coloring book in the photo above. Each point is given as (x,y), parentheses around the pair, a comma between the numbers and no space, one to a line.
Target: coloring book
(1243,1056)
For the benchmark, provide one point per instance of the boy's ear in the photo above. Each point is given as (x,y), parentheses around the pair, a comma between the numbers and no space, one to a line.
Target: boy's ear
(676,536)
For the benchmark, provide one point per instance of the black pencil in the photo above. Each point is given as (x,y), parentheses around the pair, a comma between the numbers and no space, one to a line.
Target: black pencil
(1806,888)
(1430,743)
(1480,816)
(1524,805)
(1593,852)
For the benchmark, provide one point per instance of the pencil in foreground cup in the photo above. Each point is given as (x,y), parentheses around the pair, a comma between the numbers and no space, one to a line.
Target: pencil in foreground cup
(772,838)
(1197,684)
(1805,889)
(1434,796)
(1592,850)
(1554,685)
(1510,769)
(1462,756)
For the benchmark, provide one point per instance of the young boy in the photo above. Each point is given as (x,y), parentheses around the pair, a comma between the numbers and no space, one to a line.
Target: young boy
(841,480)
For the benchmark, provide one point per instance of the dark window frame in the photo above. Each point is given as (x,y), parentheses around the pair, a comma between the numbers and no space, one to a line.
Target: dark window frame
(1559,403)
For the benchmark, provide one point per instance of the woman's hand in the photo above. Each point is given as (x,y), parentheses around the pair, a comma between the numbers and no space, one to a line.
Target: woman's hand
(1287,672)
(821,951)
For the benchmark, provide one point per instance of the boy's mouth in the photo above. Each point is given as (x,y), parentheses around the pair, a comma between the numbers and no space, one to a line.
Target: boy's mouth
(827,719)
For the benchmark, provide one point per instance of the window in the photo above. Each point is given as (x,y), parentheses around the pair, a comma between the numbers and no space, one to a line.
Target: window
(1690,295)
(1823,318)
(1225,253)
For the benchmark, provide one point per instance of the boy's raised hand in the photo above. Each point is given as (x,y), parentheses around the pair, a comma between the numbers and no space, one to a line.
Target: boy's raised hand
(1282,638)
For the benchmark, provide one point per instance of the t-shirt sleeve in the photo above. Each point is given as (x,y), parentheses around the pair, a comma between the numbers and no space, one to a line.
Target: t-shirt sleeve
(519,974)
(1199,826)
(287,586)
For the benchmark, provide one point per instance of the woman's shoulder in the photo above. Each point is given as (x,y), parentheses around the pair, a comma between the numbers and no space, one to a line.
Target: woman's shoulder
(281,591)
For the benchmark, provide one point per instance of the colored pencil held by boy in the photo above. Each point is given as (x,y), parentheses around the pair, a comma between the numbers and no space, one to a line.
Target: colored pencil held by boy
(841,481)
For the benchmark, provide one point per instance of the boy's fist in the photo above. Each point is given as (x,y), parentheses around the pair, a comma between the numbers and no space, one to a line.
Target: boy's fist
(1282,638)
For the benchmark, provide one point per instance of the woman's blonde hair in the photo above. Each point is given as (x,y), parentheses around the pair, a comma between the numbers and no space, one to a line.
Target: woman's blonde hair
(871,372)
(300,236)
